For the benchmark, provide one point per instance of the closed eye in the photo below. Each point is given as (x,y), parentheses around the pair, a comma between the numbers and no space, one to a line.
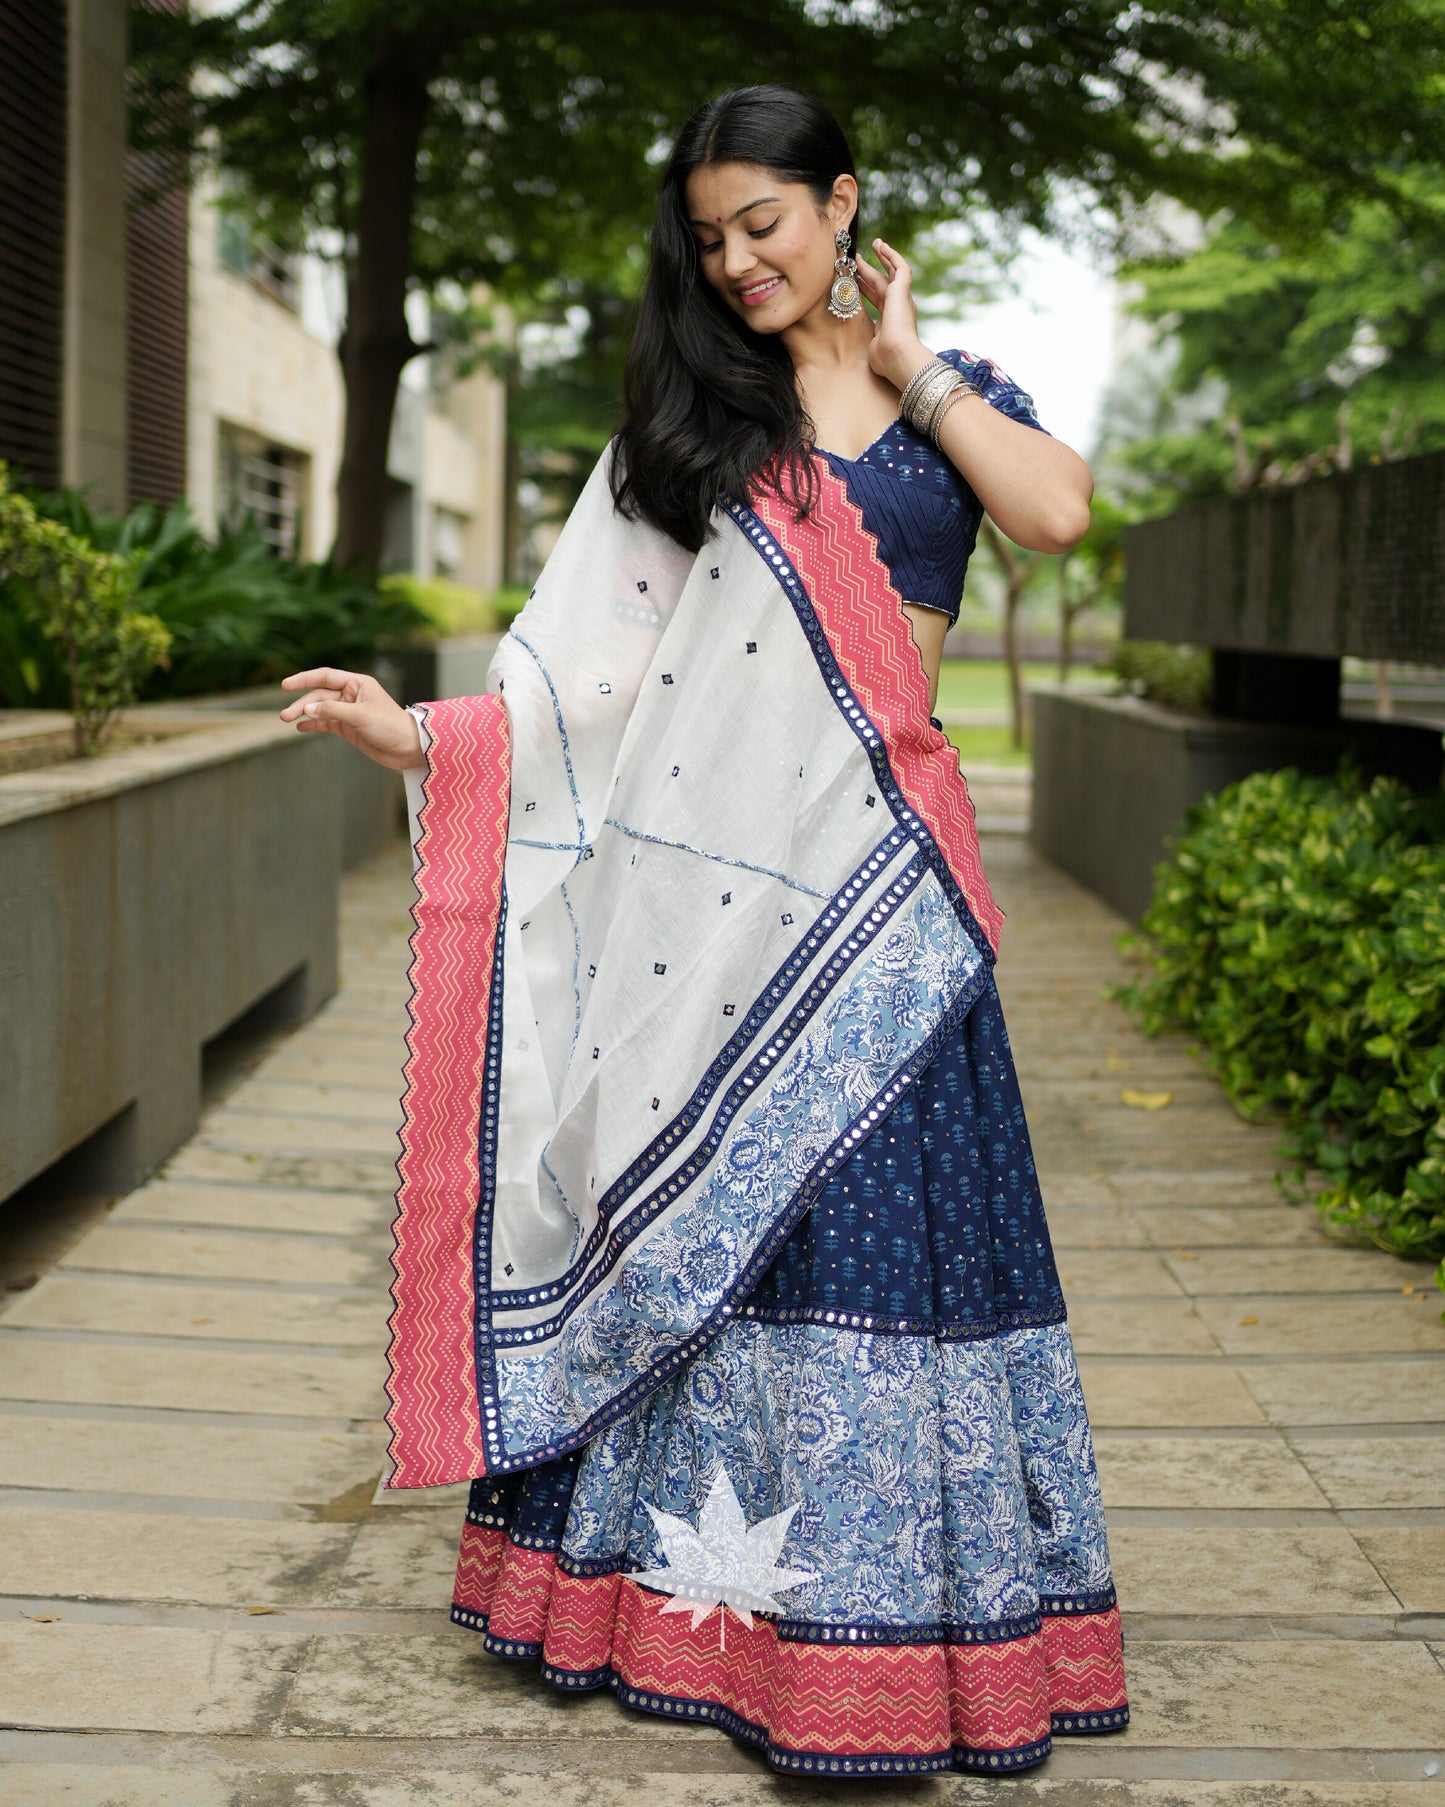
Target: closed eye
(762,232)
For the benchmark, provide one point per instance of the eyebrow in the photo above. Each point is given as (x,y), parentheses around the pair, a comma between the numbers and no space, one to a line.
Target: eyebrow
(741,210)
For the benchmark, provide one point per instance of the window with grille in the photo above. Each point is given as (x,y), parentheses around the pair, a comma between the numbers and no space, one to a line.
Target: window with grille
(240,247)
(264,483)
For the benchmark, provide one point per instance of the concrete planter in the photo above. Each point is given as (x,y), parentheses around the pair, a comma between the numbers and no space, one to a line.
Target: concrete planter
(373,800)
(1113,776)
(148,899)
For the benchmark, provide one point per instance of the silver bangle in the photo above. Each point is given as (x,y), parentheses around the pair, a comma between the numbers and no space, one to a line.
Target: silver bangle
(915,383)
(959,388)
(937,401)
(930,391)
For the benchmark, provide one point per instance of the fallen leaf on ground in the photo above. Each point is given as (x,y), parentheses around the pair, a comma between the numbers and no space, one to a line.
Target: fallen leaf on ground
(42,1618)
(1249,1320)
(1145,1101)
(203,1320)
(257,1612)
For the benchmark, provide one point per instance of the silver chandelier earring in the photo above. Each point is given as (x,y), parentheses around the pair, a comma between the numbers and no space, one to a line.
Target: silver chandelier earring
(844,298)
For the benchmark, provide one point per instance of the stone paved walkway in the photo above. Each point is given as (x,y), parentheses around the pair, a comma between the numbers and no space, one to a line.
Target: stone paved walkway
(207,1603)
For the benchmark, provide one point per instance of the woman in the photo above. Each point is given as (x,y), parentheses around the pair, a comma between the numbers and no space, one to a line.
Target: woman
(722,1270)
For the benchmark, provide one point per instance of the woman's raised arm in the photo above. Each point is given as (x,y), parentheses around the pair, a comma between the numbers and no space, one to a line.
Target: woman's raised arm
(1034,487)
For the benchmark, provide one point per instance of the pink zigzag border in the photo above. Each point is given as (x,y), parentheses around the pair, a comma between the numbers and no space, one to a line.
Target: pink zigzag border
(434,1417)
(862,615)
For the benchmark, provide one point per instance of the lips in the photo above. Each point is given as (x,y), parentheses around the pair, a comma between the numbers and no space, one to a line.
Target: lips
(750,297)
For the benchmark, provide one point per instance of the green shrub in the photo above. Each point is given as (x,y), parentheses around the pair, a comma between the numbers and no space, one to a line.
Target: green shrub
(1178,676)
(449,608)
(79,605)
(1299,930)
(509,603)
(241,616)
(237,615)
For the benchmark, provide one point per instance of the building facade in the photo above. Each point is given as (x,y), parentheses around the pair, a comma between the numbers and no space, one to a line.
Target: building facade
(151,348)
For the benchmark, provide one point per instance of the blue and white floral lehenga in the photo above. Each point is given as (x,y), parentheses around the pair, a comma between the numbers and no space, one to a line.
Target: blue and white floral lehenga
(722,1267)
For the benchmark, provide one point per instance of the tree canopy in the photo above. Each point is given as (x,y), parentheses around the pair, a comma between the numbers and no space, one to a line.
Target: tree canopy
(1319,355)
(433,141)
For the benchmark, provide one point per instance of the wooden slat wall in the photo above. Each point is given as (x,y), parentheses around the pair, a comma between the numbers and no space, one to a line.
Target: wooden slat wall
(32,233)
(157,328)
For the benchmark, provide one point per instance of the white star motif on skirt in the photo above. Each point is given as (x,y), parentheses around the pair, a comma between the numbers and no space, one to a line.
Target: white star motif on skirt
(723,1562)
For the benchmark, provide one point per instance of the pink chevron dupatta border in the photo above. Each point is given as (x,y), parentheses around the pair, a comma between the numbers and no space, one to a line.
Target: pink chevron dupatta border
(861,613)
(432,1382)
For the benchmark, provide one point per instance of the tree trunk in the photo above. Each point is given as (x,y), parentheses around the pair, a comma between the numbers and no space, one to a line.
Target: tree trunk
(1015,663)
(376,344)
(511,480)
(1016,577)
(1066,622)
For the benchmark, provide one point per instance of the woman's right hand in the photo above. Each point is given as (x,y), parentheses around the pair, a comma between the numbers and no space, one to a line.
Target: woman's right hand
(355,706)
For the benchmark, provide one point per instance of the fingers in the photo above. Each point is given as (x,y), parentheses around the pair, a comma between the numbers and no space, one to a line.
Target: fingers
(323,709)
(331,709)
(897,267)
(323,674)
(302,703)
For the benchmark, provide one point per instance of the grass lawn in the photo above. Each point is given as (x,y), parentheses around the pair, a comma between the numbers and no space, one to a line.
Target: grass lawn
(980,683)
(986,746)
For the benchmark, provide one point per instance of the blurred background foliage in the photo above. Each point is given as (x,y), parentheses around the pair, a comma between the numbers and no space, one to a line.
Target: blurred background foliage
(1159,672)
(431,145)
(236,614)
(1308,357)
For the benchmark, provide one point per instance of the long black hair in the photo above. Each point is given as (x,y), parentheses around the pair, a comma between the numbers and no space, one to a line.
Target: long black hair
(707,401)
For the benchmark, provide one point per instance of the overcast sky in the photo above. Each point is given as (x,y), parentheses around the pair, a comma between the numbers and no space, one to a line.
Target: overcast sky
(1053,337)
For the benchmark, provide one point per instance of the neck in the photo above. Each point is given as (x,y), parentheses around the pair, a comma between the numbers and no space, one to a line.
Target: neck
(821,341)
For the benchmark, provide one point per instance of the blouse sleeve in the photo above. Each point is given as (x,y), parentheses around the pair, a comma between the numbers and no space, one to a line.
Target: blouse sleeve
(998,390)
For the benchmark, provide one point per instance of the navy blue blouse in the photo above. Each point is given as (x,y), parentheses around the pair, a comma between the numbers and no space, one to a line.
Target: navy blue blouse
(917,501)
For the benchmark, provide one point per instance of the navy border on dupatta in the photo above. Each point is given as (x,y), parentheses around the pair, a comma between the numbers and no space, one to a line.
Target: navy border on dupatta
(499,1461)
(802,1013)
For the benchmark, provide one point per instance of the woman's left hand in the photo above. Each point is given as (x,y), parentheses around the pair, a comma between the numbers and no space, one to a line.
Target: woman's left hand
(897,353)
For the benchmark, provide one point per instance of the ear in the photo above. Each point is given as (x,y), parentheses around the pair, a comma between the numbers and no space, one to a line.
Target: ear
(843,203)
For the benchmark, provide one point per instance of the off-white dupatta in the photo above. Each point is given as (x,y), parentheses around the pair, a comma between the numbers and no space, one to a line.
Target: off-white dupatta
(698,893)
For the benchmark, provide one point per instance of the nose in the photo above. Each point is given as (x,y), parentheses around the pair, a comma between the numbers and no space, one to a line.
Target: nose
(738,259)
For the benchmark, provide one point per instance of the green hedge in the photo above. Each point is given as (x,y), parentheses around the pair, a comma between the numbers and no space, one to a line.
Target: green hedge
(453,608)
(1299,930)
(1178,676)
(236,614)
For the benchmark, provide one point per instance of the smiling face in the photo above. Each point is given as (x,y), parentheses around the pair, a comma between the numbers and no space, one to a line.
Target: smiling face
(765,244)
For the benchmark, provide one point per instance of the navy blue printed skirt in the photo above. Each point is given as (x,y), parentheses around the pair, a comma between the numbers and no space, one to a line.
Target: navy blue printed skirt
(896,1418)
